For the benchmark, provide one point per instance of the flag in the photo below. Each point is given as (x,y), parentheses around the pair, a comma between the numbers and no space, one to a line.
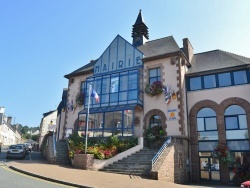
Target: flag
(167,91)
(94,94)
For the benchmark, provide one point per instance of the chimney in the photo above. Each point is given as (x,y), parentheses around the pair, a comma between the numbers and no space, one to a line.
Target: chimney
(9,119)
(188,49)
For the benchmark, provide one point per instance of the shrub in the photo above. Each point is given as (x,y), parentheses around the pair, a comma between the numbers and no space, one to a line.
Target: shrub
(101,148)
(154,133)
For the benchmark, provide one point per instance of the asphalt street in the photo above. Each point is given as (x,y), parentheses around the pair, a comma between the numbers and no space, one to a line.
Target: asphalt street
(13,179)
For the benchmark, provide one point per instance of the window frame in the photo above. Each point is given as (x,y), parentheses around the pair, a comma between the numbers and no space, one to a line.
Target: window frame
(217,80)
(157,77)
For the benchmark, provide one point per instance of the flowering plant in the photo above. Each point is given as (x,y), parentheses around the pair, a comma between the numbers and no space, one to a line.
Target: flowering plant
(80,99)
(100,148)
(154,133)
(242,173)
(223,153)
(154,89)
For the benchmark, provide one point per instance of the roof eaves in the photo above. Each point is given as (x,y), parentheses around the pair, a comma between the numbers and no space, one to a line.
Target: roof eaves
(86,68)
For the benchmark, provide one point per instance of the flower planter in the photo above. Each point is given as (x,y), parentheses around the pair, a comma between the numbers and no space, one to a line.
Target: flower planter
(83,161)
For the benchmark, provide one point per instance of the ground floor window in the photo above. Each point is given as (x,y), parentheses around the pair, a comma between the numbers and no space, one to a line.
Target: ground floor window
(106,124)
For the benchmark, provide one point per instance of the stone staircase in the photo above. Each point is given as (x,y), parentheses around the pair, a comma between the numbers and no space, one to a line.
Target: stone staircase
(136,164)
(62,153)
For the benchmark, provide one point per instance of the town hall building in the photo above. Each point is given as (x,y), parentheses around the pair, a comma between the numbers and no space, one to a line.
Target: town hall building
(205,99)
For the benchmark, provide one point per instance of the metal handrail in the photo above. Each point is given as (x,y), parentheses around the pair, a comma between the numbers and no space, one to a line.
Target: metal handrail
(159,153)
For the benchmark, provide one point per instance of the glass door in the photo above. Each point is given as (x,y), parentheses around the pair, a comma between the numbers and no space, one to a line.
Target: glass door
(209,169)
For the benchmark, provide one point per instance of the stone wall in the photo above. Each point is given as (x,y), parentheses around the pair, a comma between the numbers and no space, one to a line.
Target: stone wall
(173,167)
(48,150)
(83,161)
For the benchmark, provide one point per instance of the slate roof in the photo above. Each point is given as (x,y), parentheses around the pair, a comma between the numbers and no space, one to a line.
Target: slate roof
(48,113)
(159,47)
(83,70)
(139,19)
(214,60)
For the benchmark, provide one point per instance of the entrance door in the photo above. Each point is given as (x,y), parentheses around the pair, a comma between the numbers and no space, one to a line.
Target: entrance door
(209,169)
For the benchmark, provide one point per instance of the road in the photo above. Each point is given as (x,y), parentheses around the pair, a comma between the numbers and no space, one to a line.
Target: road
(12,179)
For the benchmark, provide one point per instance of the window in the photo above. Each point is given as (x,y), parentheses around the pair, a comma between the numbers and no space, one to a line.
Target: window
(207,125)
(195,83)
(218,80)
(106,124)
(117,88)
(236,123)
(235,117)
(155,121)
(240,77)
(83,87)
(154,75)
(224,79)
(209,81)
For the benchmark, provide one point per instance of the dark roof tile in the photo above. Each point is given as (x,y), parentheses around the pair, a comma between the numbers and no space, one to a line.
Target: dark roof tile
(159,47)
(217,59)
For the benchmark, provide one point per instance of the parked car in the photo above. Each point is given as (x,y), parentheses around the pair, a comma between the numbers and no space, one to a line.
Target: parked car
(25,147)
(28,145)
(245,184)
(16,151)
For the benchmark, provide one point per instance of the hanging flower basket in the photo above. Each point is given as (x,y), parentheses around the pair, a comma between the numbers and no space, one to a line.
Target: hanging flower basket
(80,99)
(223,153)
(154,89)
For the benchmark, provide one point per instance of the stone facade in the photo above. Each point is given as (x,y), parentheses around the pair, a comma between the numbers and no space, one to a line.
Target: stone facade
(172,166)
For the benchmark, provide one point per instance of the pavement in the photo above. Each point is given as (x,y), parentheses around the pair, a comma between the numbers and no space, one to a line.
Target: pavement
(70,176)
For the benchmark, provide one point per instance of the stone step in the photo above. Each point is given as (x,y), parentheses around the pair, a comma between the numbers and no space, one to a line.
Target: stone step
(133,162)
(142,167)
(128,171)
(138,163)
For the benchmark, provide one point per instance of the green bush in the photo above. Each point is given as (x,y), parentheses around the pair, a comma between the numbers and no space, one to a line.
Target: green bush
(102,148)
(154,133)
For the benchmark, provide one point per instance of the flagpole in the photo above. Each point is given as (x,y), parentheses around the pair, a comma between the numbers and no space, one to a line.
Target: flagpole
(87,126)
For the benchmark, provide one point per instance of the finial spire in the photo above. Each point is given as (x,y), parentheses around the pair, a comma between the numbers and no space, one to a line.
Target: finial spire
(140,31)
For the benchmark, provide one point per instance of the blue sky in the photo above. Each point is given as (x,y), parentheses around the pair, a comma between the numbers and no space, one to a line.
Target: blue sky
(41,41)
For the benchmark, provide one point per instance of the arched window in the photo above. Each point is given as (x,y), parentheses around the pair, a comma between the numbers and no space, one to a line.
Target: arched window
(155,121)
(236,128)
(207,129)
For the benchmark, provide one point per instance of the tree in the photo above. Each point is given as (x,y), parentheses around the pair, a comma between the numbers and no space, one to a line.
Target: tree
(35,137)
(25,130)
(28,136)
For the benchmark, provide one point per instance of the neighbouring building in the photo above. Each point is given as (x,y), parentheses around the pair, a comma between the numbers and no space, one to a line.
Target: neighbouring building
(61,111)
(206,98)
(48,123)
(9,134)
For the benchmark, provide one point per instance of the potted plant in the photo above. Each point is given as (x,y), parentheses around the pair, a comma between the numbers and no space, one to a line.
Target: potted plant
(223,153)
(80,99)
(154,89)
(153,135)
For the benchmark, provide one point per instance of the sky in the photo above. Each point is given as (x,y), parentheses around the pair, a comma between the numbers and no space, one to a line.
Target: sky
(41,41)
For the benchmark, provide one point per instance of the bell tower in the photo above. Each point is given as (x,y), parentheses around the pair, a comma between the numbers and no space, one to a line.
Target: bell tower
(139,31)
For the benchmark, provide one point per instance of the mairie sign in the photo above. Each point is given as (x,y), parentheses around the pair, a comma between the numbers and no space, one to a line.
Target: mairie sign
(119,55)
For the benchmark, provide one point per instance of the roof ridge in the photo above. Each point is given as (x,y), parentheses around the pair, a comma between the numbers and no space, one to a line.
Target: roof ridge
(160,39)
(235,54)
(207,52)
